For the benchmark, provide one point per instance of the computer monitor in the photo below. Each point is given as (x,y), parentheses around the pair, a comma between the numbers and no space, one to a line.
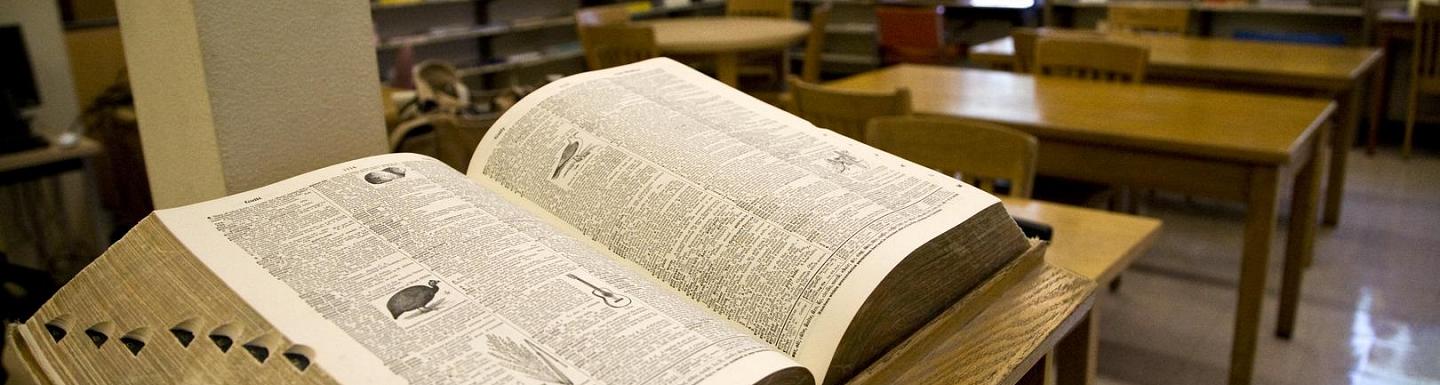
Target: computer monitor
(17,91)
(16,76)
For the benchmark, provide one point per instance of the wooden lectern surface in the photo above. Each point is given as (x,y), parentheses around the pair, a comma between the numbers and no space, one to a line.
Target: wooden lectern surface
(992,336)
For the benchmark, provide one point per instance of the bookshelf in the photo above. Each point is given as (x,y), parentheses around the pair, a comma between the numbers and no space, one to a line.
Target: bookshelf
(496,43)
(1345,18)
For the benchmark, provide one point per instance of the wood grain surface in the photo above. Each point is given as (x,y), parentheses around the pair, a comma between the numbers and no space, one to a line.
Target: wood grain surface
(1096,244)
(1200,123)
(928,282)
(1306,64)
(696,35)
(84,149)
(999,344)
(142,287)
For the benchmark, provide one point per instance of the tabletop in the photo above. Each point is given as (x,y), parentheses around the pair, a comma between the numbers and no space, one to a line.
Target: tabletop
(1096,244)
(721,34)
(85,148)
(1238,56)
(1210,124)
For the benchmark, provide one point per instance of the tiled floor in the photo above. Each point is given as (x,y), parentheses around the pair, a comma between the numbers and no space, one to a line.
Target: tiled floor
(1370,310)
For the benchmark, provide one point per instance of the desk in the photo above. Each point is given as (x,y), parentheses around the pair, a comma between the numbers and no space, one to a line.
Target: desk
(43,165)
(1098,245)
(726,38)
(1333,71)
(1201,142)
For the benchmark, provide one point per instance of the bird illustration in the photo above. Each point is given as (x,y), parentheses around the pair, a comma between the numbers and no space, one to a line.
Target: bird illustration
(565,156)
(412,298)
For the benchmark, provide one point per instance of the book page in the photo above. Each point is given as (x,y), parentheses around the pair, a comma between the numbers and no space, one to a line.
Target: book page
(781,226)
(397,269)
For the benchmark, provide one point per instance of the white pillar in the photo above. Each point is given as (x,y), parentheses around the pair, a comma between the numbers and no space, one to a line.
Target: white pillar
(233,95)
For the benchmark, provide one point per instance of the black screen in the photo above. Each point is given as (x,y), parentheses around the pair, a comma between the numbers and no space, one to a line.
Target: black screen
(16,77)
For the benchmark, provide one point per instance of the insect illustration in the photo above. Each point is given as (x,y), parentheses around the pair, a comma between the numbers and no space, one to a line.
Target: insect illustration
(843,161)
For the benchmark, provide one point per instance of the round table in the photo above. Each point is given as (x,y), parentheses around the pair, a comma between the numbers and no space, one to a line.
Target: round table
(726,38)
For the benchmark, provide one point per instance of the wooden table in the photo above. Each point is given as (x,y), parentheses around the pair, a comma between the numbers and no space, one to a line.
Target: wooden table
(1098,245)
(1201,142)
(32,172)
(726,38)
(1336,72)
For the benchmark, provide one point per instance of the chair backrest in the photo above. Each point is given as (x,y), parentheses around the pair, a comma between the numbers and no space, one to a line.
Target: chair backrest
(780,9)
(602,15)
(1148,18)
(613,45)
(815,43)
(976,152)
(1024,41)
(1090,59)
(845,111)
(451,139)
(910,28)
(1427,48)
(597,16)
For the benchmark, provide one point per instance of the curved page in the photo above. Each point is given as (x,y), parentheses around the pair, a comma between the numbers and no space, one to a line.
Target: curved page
(397,269)
(776,224)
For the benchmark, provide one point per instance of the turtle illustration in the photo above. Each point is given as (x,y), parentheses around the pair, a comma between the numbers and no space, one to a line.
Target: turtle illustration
(412,298)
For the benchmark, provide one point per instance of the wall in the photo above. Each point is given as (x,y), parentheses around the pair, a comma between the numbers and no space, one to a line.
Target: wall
(97,58)
(234,95)
(40,22)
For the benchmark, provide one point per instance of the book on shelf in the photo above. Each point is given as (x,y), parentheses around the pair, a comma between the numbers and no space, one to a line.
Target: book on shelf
(643,224)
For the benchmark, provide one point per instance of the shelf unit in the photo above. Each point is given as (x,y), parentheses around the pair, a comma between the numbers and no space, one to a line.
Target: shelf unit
(851,37)
(408,4)
(495,43)
(1222,19)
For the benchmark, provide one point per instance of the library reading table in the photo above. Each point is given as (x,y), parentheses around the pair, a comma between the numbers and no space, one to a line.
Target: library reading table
(1200,142)
(726,38)
(1336,72)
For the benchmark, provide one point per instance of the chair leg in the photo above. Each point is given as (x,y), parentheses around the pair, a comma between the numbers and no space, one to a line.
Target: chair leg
(1410,121)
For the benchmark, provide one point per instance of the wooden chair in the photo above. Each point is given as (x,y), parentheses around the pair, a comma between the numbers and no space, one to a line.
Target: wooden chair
(810,71)
(844,111)
(914,35)
(1024,41)
(1090,59)
(1425,67)
(780,9)
(975,152)
(1147,18)
(768,66)
(613,45)
(1097,60)
(815,42)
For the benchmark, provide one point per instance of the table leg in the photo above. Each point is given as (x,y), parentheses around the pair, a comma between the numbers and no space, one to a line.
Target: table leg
(727,68)
(1300,244)
(1259,227)
(1036,374)
(1379,90)
(1075,355)
(1340,152)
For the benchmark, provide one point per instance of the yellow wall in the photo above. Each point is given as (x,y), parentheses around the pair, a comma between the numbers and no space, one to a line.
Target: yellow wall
(96,60)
